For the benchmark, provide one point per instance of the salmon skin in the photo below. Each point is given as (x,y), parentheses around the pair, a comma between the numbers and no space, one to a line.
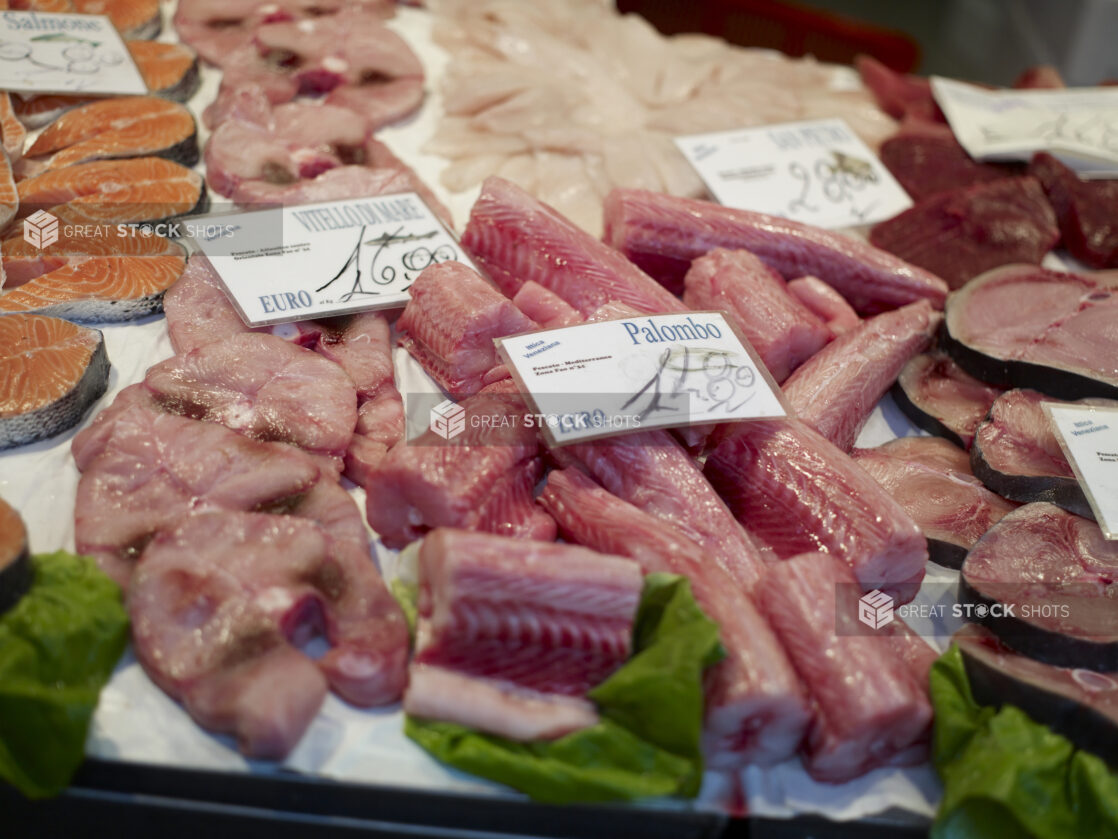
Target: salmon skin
(51,372)
(139,189)
(16,573)
(137,126)
(169,70)
(132,18)
(662,234)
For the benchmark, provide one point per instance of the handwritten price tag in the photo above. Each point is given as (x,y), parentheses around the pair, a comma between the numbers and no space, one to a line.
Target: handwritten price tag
(318,260)
(1089,437)
(1078,126)
(816,172)
(600,379)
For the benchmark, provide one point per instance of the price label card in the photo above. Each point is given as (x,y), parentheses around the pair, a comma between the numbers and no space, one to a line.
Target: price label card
(600,379)
(1078,126)
(1089,437)
(816,172)
(317,260)
(43,52)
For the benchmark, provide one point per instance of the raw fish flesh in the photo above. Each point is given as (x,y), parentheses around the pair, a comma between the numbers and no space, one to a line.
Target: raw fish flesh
(516,239)
(132,18)
(1024,326)
(545,307)
(963,232)
(836,389)
(925,164)
(797,493)
(827,304)
(51,372)
(756,712)
(1058,572)
(1086,211)
(756,300)
(450,322)
(931,479)
(869,710)
(941,398)
(663,235)
(521,629)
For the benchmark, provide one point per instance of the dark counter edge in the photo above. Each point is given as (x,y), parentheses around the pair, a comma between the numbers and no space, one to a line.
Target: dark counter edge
(123,800)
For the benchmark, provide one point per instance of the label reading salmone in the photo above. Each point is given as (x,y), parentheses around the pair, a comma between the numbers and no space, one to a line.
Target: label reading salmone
(317,260)
(651,371)
(44,52)
(1078,126)
(1089,438)
(817,172)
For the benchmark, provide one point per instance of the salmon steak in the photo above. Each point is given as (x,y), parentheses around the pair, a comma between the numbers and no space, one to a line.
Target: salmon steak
(133,126)
(51,372)
(9,196)
(132,18)
(16,573)
(114,191)
(12,133)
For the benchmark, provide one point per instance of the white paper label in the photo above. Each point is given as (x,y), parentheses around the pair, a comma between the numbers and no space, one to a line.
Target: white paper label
(816,172)
(43,52)
(1089,438)
(600,379)
(317,260)
(1078,126)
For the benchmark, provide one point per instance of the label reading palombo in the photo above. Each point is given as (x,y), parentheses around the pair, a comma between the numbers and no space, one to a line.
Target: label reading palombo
(817,172)
(1089,437)
(317,260)
(42,52)
(650,371)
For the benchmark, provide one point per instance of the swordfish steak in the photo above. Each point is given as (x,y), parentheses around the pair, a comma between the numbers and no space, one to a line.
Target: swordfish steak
(942,398)
(218,604)
(756,711)
(663,234)
(798,494)
(513,633)
(1024,326)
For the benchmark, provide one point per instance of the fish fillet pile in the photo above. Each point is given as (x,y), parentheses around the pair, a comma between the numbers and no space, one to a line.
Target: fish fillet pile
(569,100)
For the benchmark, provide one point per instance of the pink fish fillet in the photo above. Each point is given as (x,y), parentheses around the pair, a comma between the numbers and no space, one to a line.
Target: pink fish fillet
(798,493)
(756,300)
(663,234)
(651,471)
(827,304)
(756,712)
(519,630)
(216,606)
(480,479)
(836,390)
(516,239)
(545,307)
(450,322)
(869,708)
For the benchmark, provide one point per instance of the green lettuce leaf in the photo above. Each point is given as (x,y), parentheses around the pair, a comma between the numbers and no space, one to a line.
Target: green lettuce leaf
(1006,775)
(58,646)
(647,742)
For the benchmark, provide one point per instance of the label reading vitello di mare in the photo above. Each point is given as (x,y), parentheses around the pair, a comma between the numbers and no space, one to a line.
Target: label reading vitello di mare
(652,371)
(1089,437)
(316,260)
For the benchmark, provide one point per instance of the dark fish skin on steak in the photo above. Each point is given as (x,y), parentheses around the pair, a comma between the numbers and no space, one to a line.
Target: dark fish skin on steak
(931,479)
(16,573)
(1087,211)
(962,233)
(662,234)
(942,398)
(925,164)
(1029,327)
(1082,705)
(1017,455)
(1059,574)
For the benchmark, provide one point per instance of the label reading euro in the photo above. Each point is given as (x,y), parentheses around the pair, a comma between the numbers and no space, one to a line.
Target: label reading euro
(1089,437)
(817,172)
(44,52)
(316,260)
(650,371)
